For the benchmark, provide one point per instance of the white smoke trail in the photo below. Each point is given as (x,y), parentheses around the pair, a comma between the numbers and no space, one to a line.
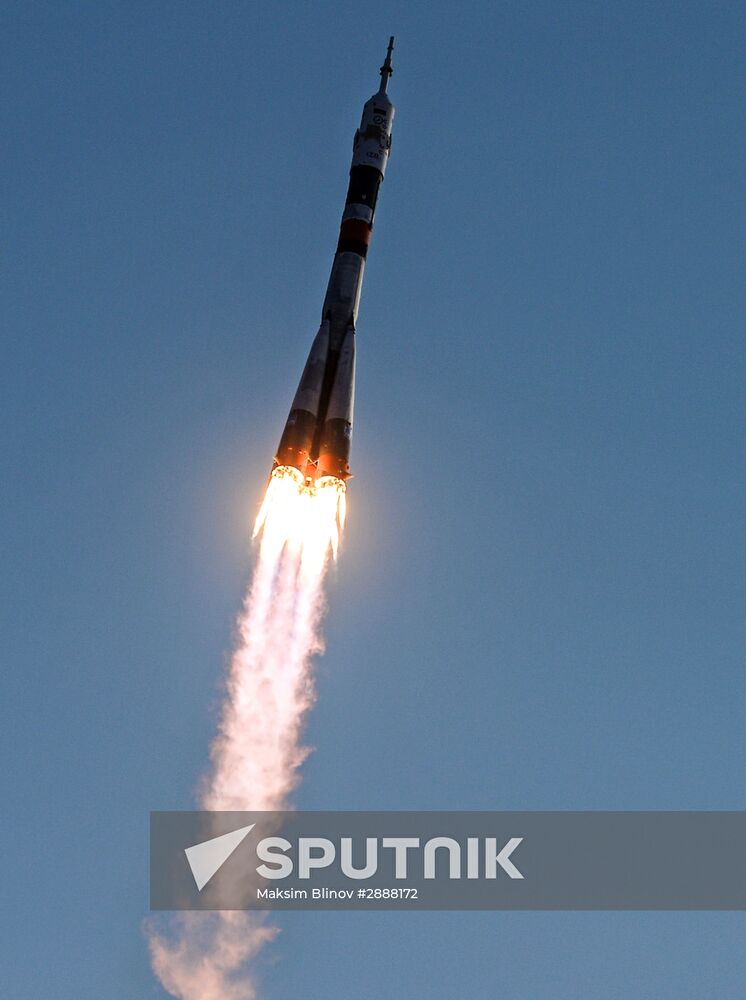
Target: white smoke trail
(258,750)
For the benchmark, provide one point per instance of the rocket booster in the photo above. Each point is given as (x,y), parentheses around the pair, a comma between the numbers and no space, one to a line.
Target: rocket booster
(317,436)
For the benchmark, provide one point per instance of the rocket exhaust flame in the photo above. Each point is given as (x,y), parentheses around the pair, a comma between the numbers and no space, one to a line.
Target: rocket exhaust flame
(258,750)
(305,517)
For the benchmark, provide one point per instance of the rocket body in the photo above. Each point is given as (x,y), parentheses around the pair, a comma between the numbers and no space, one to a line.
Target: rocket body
(318,432)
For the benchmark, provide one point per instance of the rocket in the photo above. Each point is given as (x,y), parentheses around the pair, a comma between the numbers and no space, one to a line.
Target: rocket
(318,432)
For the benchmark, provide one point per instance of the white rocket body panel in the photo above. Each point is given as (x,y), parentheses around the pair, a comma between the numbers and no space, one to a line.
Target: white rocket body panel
(342,300)
(342,398)
(372,142)
(308,394)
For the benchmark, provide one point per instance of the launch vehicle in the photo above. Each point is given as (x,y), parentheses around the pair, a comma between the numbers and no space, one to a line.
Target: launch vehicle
(318,432)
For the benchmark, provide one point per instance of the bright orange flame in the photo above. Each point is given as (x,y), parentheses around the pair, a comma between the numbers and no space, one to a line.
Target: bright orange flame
(307,519)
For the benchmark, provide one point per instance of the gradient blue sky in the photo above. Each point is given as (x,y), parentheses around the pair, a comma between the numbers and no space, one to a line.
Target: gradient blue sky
(540,598)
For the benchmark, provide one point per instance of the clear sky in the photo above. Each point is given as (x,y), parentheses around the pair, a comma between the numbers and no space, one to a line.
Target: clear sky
(539,602)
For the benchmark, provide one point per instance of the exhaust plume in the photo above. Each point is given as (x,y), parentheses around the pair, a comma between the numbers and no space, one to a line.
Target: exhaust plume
(256,756)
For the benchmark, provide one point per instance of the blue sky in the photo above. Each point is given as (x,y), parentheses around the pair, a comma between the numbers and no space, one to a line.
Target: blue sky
(540,599)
